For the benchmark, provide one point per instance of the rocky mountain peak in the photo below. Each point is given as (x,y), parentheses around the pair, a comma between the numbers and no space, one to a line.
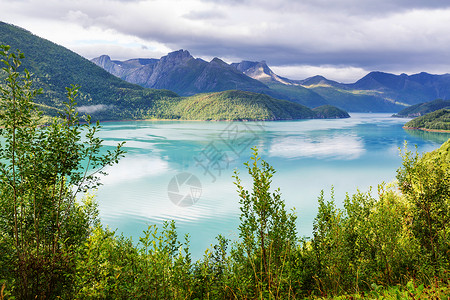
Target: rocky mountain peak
(218,61)
(260,71)
(177,56)
(102,60)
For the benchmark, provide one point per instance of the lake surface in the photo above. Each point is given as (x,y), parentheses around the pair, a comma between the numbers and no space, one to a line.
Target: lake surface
(183,170)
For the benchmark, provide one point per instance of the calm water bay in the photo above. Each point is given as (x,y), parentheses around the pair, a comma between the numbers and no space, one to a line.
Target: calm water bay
(183,170)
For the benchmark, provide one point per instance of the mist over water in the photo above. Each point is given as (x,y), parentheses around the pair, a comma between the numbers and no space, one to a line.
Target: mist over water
(308,155)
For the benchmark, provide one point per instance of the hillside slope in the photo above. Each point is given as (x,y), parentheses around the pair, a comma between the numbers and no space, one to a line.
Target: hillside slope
(437,120)
(238,105)
(55,67)
(421,109)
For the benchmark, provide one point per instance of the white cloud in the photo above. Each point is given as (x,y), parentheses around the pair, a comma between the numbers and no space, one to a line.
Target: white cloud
(336,73)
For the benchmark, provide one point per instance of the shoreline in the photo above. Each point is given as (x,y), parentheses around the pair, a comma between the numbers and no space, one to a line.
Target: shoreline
(223,120)
(425,129)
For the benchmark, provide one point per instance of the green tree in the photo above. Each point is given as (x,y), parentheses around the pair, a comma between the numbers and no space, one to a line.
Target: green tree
(425,182)
(42,170)
(267,230)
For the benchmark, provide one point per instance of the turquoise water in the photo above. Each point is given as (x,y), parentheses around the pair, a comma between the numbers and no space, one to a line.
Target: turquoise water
(183,170)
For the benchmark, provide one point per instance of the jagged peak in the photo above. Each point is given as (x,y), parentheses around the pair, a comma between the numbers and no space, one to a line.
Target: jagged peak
(217,60)
(104,56)
(178,55)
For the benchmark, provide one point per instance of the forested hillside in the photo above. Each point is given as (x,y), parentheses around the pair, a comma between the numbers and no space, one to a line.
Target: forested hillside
(421,109)
(437,120)
(55,68)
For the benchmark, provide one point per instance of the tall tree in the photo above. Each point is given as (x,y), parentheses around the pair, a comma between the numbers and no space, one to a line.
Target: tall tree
(42,170)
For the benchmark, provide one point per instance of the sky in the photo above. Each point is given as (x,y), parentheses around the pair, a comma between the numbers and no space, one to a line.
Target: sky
(342,40)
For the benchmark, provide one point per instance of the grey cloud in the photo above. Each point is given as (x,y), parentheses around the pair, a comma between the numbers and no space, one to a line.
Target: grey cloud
(377,35)
(348,6)
(204,15)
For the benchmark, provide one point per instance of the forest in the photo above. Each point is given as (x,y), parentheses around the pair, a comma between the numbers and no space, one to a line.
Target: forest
(393,242)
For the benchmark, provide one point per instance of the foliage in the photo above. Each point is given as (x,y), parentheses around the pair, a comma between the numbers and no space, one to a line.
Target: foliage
(425,183)
(437,120)
(42,169)
(102,95)
(330,112)
(239,105)
(267,232)
(112,267)
(421,109)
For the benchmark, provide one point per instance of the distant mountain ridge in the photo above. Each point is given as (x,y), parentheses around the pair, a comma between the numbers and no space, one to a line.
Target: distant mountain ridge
(410,89)
(180,72)
(375,92)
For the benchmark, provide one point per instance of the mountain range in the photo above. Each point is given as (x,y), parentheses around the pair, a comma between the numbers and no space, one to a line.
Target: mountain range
(179,71)
(107,97)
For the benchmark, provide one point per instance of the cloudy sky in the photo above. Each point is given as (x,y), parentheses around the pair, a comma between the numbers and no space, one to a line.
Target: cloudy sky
(340,39)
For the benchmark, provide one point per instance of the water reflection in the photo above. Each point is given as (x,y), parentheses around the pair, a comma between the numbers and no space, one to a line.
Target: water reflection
(437,137)
(334,147)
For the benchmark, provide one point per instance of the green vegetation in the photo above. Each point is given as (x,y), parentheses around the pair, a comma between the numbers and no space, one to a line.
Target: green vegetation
(42,169)
(437,120)
(330,112)
(393,245)
(421,109)
(239,105)
(102,95)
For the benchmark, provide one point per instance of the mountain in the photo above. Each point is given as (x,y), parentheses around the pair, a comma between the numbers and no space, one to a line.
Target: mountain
(186,75)
(421,109)
(319,80)
(55,67)
(107,97)
(409,89)
(127,69)
(239,105)
(260,71)
(317,90)
(180,72)
(438,120)
(281,87)
(375,92)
